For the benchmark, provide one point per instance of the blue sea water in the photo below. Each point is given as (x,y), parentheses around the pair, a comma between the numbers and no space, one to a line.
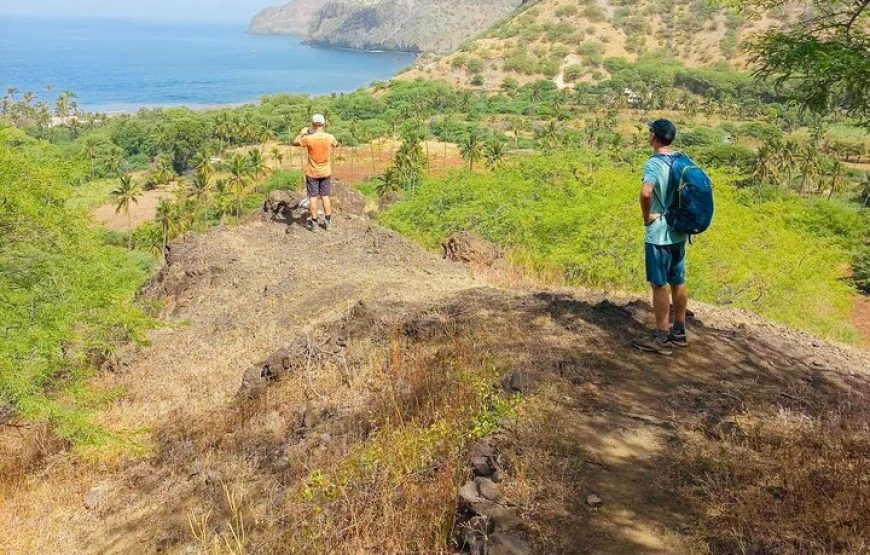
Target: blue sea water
(120,65)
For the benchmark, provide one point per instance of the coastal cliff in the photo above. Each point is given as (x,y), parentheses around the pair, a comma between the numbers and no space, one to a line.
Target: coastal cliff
(408,25)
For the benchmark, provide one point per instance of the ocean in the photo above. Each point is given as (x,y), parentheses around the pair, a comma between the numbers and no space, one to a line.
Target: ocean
(120,65)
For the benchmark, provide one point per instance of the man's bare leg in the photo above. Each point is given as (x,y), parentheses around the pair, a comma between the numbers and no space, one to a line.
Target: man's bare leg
(681,301)
(327,206)
(312,208)
(659,341)
(662,306)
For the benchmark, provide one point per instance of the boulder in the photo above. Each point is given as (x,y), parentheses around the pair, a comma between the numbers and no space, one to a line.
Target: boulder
(487,489)
(463,246)
(282,203)
(94,496)
(519,382)
(594,501)
(507,544)
(482,466)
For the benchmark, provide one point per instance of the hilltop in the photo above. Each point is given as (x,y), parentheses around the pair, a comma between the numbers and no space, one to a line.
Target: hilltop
(335,403)
(405,25)
(569,41)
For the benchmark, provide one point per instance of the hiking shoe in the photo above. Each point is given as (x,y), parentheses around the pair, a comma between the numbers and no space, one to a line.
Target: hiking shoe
(655,343)
(327,224)
(678,338)
(311,225)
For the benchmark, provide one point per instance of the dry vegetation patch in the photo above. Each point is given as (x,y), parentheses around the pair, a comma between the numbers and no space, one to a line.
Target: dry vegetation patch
(356,434)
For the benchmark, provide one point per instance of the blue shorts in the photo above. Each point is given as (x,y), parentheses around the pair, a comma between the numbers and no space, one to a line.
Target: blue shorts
(666,264)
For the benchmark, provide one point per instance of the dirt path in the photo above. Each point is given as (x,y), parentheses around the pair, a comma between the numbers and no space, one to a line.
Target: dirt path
(861,319)
(601,418)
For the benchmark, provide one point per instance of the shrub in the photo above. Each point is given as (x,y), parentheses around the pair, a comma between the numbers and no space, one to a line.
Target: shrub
(573,72)
(566,10)
(66,293)
(751,258)
(590,48)
(700,136)
(475,65)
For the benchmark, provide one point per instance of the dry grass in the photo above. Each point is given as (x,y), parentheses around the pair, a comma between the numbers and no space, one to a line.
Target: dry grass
(742,444)
(393,489)
(784,483)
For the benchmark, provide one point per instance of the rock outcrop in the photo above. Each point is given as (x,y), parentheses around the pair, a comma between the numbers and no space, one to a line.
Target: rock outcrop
(405,25)
(293,18)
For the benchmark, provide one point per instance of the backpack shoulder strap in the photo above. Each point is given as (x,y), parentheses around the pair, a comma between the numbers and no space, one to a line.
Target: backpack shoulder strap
(668,159)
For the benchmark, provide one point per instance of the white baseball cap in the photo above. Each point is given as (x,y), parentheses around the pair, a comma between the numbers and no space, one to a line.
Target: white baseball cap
(318,119)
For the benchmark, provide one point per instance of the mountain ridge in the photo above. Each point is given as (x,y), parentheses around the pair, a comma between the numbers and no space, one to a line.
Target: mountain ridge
(397,25)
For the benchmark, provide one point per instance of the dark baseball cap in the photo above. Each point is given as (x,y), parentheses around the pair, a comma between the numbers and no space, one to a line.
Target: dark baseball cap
(663,129)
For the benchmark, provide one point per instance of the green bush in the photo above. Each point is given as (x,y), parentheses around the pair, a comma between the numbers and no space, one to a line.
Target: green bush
(700,136)
(584,224)
(66,295)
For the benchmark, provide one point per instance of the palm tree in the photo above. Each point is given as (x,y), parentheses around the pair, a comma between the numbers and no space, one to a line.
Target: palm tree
(472,147)
(65,105)
(550,135)
(202,162)
(163,173)
(223,199)
(495,153)
(837,171)
(127,193)
(164,218)
(90,152)
(238,181)
(278,156)
(256,163)
(767,167)
(199,189)
(387,183)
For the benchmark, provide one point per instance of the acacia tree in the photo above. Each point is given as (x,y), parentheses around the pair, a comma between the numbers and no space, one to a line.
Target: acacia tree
(127,193)
(821,63)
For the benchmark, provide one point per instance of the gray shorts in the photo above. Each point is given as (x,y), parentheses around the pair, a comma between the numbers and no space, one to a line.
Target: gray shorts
(318,186)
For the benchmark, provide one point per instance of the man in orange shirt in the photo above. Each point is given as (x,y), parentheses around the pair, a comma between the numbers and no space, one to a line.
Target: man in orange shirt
(318,171)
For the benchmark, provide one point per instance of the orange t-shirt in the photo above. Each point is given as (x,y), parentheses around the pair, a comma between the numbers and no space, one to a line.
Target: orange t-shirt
(319,147)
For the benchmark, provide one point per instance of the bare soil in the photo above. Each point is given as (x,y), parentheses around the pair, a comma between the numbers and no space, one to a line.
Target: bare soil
(144,210)
(861,319)
(360,321)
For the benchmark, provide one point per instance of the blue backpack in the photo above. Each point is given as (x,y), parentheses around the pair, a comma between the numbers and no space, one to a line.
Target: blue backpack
(692,208)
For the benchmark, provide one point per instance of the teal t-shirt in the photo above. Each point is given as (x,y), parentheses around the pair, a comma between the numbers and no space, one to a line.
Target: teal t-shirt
(657,172)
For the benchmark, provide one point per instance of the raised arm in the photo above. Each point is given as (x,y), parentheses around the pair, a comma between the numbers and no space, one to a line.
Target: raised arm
(298,140)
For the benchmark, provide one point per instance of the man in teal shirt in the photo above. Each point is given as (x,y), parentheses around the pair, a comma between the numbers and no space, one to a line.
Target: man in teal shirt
(665,249)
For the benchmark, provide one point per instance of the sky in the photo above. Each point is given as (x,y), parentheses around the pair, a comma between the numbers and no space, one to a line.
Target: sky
(183,10)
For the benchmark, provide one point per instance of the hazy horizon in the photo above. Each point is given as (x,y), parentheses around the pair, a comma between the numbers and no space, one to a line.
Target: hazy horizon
(150,10)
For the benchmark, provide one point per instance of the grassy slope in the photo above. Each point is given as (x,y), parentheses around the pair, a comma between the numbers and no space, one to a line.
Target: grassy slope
(584,229)
(550,36)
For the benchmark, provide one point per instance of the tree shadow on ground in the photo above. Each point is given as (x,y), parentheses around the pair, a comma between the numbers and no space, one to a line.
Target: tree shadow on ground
(604,419)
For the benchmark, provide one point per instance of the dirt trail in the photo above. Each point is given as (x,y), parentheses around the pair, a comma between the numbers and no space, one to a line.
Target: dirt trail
(603,421)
